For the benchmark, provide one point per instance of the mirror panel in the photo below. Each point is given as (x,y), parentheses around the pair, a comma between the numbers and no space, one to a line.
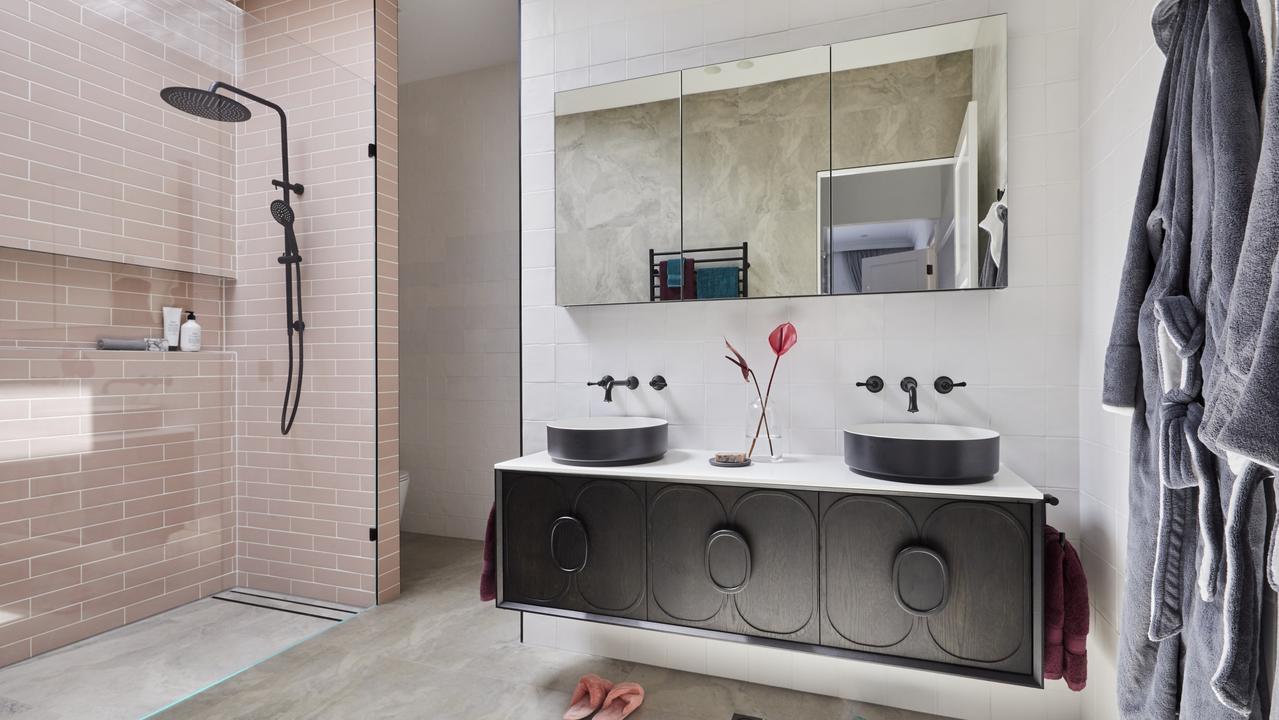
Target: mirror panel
(756,138)
(617,187)
(919,150)
(876,165)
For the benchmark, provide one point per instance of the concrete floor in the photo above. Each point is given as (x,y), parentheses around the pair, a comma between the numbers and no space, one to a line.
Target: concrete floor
(135,670)
(438,652)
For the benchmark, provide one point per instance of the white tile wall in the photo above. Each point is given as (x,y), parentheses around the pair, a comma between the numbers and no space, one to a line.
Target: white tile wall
(1119,69)
(1018,348)
(459,346)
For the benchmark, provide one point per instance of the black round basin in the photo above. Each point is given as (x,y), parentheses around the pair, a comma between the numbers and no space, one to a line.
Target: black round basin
(604,441)
(922,453)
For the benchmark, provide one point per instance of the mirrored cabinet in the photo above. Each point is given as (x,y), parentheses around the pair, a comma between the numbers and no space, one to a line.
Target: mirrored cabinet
(876,165)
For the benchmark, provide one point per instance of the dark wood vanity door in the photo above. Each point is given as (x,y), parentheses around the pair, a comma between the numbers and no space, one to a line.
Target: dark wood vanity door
(531,505)
(734,560)
(987,621)
(780,598)
(574,543)
(861,536)
(947,581)
(681,518)
(612,580)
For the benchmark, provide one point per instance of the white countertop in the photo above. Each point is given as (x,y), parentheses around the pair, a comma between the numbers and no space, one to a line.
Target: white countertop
(796,472)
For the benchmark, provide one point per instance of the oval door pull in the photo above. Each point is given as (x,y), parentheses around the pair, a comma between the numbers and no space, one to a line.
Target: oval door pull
(921,581)
(568,535)
(720,546)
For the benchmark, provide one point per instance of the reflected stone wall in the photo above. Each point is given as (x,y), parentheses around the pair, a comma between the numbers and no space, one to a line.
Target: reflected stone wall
(751,158)
(900,112)
(617,194)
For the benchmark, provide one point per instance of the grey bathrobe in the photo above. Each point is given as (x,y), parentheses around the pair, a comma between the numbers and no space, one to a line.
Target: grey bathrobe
(1242,416)
(1188,226)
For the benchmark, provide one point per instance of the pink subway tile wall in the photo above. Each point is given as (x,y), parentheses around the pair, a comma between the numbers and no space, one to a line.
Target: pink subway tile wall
(54,300)
(307,500)
(388,298)
(92,163)
(116,489)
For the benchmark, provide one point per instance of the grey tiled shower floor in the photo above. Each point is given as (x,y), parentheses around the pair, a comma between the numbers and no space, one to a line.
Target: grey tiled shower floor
(137,669)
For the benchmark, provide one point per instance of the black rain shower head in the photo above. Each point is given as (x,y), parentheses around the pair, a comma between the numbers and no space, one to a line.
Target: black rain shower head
(206,104)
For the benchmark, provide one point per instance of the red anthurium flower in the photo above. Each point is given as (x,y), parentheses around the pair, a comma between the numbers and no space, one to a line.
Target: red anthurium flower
(783,338)
(740,361)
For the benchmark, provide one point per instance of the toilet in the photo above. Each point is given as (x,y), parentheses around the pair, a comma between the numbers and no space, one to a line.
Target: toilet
(404,490)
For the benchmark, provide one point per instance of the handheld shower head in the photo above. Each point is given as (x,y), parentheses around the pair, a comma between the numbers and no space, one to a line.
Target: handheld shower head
(282,212)
(206,104)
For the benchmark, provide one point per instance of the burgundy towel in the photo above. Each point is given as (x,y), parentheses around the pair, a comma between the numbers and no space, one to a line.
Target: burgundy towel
(689,291)
(1077,619)
(690,279)
(488,575)
(1054,605)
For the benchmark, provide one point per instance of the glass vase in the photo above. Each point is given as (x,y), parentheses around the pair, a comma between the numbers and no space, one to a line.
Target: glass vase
(764,435)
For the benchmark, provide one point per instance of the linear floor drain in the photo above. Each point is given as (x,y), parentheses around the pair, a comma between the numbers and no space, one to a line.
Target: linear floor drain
(270,601)
(739,716)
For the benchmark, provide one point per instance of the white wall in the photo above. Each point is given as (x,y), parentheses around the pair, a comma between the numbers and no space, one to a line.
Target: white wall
(1018,348)
(1119,78)
(459,322)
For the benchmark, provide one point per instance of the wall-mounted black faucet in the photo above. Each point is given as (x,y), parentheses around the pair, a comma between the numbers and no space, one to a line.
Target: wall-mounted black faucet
(607,382)
(944,385)
(911,388)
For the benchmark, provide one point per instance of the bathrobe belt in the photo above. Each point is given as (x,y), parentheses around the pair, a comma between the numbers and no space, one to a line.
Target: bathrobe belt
(1186,474)
(1235,680)
(1187,470)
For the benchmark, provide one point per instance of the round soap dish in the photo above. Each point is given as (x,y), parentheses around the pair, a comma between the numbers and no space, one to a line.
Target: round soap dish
(716,463)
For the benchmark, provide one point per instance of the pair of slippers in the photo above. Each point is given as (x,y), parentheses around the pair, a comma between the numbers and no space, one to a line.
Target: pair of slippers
(594,694)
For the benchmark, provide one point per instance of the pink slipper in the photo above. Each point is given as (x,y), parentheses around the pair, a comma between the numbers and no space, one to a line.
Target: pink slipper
(588,696)
(622,700)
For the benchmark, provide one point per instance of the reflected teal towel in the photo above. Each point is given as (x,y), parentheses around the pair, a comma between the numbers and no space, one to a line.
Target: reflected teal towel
(675,273)
(717,282)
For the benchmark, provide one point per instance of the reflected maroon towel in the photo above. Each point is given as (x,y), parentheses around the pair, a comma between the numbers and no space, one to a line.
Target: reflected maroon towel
(1054,604)
(1076,622)
(689,291)
(690,279)
(488,575)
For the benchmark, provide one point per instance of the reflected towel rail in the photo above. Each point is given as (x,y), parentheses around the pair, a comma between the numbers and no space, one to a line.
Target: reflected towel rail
(740,254)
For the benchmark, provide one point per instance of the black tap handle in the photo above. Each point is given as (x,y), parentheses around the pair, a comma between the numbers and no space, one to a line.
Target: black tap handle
(602,382)
(874,383)
(944,385)
(658,383)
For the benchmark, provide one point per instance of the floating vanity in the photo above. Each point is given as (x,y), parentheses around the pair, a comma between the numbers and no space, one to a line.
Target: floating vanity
(804,555)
